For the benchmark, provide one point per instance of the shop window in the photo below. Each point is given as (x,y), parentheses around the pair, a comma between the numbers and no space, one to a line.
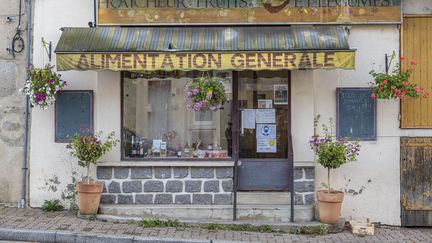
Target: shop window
(157,124)
(73,114)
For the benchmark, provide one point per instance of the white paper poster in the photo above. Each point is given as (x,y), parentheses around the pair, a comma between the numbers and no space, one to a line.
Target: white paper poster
(248,119)
(266,145)
(265,104)
(266,131)
(265,116)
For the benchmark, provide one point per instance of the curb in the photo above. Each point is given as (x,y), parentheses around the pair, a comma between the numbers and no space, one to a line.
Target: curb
(65,236)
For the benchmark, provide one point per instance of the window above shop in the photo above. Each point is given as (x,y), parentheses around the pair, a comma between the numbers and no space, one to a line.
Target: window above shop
(156,124)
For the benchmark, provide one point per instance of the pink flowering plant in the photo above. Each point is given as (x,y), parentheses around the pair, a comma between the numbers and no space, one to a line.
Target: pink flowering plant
(88,148)
(396,85)
(332,152)
(205,93)
(42,86)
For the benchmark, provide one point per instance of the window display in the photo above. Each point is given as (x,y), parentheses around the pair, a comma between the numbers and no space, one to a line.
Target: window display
(157,124)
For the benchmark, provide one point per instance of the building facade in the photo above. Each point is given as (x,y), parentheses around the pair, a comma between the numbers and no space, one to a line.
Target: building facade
(134,86)
(13,71)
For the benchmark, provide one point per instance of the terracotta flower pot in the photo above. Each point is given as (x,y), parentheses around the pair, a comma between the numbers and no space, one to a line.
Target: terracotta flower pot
(329,206)
(89,196)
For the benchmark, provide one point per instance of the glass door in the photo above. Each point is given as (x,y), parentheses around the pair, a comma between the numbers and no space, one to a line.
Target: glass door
(263,100)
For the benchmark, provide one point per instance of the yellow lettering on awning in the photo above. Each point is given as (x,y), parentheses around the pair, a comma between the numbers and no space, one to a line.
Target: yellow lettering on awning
(206,61)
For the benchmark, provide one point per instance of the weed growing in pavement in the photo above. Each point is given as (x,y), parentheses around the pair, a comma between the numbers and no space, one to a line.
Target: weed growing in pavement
(158,223)
(52,206)
(304,230)
(240,227)
(321,229)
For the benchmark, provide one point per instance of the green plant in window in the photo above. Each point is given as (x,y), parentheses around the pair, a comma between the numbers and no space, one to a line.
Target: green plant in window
(205,93)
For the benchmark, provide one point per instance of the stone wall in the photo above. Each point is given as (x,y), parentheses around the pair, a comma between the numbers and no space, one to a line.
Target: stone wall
(304,185)
(166,185)
(12,77)
(185,185)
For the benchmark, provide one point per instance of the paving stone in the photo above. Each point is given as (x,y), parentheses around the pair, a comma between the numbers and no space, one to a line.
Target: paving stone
(174,186)
(34,225)
(125,199)
(162,172)
(144,199)
(163,199)
(141,173)
(180,172)
(114,187)
(223,199)
(298,173)
(310,173)
(224,172)
(108,199)
(193,186)
(227,186)
(183,199)
(202,199)
(153,186)
(121,172)
(104,173)
(304,186)
(211,186)
(132,186)
(202,172)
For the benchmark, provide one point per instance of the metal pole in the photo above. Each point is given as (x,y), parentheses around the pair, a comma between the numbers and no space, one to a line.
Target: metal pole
(94,12)
(235,144)
(22,203)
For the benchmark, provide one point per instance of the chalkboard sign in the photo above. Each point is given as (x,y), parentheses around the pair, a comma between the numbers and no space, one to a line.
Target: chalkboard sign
(356,114)
(73,113)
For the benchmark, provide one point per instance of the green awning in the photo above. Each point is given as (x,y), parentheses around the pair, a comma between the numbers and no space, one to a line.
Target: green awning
(156,39)
(121,42)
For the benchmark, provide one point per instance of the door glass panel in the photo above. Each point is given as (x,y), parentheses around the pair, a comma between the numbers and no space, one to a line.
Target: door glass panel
(263,103)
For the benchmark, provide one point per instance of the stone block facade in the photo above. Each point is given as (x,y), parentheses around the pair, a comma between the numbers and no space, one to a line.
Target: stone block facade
(304,185)
(166,185)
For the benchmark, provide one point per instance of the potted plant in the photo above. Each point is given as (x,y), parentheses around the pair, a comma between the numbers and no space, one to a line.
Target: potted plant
(88,148)
(43,86)
(396,85)
(205,93)
(331,154)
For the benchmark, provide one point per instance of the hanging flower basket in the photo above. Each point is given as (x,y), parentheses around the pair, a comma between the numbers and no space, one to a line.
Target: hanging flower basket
(396,85)
(205,93)
(42,86)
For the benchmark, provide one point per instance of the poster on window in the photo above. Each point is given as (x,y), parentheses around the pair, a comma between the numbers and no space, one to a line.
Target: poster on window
(266,145)
(266,131)
(265,115)
(280,94)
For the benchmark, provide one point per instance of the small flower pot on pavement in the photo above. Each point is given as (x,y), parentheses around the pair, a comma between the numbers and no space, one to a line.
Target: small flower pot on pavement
(89,195)
(329,206)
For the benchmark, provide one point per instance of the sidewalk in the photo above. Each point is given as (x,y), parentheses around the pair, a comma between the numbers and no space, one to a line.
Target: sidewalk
(66,227)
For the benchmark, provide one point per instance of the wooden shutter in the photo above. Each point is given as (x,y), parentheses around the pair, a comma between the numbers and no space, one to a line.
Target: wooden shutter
(417,45)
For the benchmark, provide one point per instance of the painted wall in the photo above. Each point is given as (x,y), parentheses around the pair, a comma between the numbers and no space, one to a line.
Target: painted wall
(417,7)
(372,183)
(12,78)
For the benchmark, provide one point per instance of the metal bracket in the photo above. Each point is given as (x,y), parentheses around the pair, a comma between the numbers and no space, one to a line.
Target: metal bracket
(48,48)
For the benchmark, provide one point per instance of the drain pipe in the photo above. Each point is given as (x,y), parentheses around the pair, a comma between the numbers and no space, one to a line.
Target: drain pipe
(22,203)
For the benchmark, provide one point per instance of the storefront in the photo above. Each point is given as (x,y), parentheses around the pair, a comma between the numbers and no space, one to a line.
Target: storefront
(254,151)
